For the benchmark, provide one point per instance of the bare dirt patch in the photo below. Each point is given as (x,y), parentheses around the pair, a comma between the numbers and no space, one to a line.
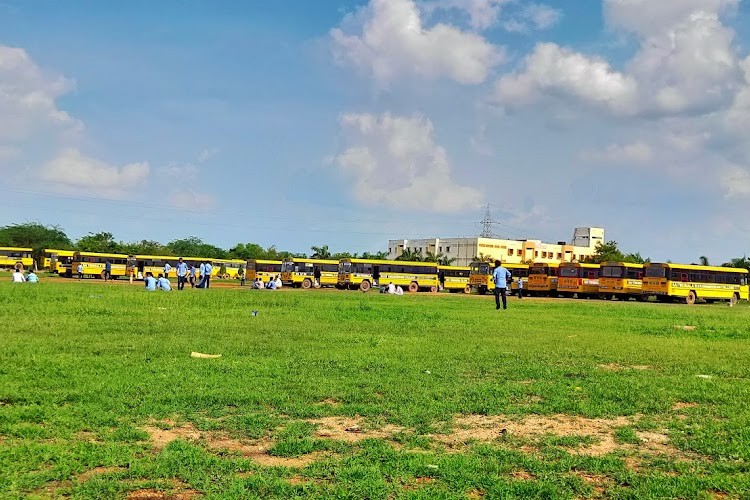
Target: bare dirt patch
(681,405)
(152,494)
(256,450)
(616,367)
(99,471)
(351,429)
(522,475)
(330,402)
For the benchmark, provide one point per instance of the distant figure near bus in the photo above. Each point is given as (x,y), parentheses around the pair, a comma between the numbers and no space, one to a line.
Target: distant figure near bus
(182,271)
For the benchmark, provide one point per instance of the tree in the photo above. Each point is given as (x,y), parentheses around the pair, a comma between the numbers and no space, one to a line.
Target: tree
(343,255)
(739,262)
(321,252)
(102,242)
(36,236)
(411,255)
(635,258)
(375,256)
(245,251)
(144,247)
(484,258)
(439,258)
(703,260)
(195,247)
(605,252)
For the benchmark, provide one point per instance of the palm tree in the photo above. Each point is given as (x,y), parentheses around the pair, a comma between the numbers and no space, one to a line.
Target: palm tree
(440,258)
(411,255)
(321,252)
(703,260)
(484,258)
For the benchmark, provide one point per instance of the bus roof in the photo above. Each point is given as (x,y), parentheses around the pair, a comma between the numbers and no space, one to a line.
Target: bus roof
(396,262)
(694,267)
(542,264)
(263,261)
(18,249)
(622,264)
(67,253)
(318,261)
(587,265)
(96,254)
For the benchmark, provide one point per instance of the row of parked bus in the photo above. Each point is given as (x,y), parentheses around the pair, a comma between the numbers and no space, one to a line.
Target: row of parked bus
(661,281)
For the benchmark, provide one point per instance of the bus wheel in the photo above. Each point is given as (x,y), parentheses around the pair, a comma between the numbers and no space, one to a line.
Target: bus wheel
(364,286)
(482,290)
(735,298)
(433,289)
(307,284)
(467,289)
(413,287)
(690,299)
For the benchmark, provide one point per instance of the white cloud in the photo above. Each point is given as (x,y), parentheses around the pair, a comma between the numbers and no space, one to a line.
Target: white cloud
(394,161)
(649,17)
(637,152)
(558,71)
(27,97)
(533,16)
(72,170)
(482,14)
(188,199)
(390,42)
(735,181)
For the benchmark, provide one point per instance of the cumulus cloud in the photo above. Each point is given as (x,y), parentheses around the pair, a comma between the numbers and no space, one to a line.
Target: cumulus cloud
(637,152)
(27,97)
(686,64)
(387,40)
(394,161)
(554,70)
(532,16)
(73,170)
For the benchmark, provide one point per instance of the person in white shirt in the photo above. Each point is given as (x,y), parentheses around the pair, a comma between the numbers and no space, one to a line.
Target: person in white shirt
(391,288)
(399,290)
(167,268)
(278,282)
(18,277)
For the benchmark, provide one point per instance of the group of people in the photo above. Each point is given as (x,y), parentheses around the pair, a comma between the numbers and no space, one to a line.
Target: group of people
(392,289)
(19,277)
(161,283)
(273,283)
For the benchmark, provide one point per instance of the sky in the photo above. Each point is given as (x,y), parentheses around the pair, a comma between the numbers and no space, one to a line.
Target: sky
(348,123)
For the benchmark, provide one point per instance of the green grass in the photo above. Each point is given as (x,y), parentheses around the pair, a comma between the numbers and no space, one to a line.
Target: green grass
(86,369)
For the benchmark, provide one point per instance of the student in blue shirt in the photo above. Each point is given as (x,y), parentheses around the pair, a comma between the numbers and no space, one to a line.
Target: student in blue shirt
(163,284)
(182,272)
(107,270)
(209,268)
(150,282)
(500,276)
(32,277)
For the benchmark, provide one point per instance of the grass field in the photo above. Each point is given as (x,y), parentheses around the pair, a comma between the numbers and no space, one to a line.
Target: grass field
(343,394)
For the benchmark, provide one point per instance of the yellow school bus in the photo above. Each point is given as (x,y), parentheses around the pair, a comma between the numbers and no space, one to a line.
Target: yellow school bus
(263,269)
(366,273)
(94,264)
(16,257)
(543,278)
(480,278)
(58,261)
(689,283)
(581,280)
(306,272)
(621,280)
(232,267)
(454,278)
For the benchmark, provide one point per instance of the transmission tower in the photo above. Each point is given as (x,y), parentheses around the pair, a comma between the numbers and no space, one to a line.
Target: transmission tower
(487,223)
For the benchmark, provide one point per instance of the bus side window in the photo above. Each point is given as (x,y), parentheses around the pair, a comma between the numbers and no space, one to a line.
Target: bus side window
(640,275)
(683,277)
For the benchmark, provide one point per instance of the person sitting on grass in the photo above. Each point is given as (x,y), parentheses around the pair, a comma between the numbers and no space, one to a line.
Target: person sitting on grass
(18,276)
(163,284)
(278,282)
(32,277)
(271,284)
(150,282)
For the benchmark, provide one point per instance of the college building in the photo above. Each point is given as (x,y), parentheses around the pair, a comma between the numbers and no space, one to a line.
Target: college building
(467,250)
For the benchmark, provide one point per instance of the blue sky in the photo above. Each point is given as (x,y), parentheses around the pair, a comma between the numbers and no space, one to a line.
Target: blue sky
(297,123)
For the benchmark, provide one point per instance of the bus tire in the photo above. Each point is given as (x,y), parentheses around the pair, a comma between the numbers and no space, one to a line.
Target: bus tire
(413,287)
(482,290)
(102,275)
(433,289)
(467,289)
(365,285)
(307,284)
(691,298)
(735,298)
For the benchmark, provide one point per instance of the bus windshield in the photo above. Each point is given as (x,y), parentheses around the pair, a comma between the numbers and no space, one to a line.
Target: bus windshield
(612,271)
(480,268)
(655,272)
(568,272)
(345,267)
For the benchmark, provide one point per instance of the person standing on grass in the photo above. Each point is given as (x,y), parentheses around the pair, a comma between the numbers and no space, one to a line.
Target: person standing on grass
(182,271)
(80,271)
(150,282)
(167,268)
(209,268)
(192,276)
(500,276)
(107,270)
(18,277)
(520,287)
